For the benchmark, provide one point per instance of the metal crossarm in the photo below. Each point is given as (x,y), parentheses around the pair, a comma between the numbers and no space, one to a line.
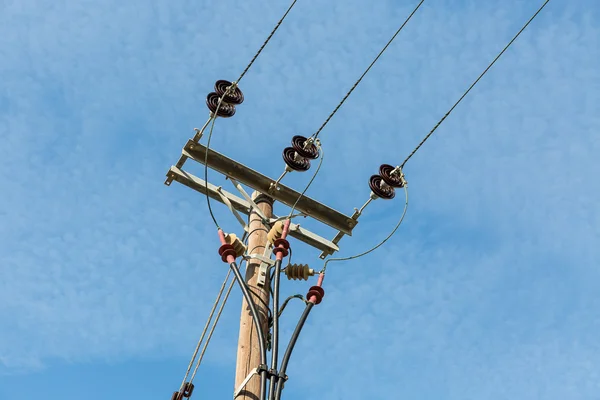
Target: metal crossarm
(262,183)
(243,206)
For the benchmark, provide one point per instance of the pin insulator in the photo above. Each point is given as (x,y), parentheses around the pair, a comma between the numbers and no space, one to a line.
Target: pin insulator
(188,389)
(226,250)
(238,245)
(226,110)
(234,96)
(306,150)
(394,180)
(298,272)
(316,291)
(294,160)
(275,232)
(383,191)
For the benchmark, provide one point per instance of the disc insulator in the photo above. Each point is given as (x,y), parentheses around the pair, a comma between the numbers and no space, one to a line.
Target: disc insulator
(394,180)
(226,110)
(295,161)
(298,272)
(310,151)
(234,96)
(384,191)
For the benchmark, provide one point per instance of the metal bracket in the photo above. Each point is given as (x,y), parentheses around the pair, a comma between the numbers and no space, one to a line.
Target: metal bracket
(264,266)
(257,210)
(245,382)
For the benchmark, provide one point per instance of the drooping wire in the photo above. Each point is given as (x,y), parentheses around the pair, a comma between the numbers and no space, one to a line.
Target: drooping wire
(316,134)
(321,157)
(212,215)
(380,243)
(212,329)
(285,303)
(266,41)
(212,311)
(473,84)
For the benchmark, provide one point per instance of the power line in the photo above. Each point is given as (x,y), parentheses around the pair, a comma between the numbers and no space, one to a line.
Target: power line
(316,134)
(473,84)
(266,41)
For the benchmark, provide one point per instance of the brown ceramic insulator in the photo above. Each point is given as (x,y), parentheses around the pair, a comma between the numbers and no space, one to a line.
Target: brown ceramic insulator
(188,389)
(299,271)
(310,152)
(385,170)
(382,191)
(233,97)
(300,163)
(226,110)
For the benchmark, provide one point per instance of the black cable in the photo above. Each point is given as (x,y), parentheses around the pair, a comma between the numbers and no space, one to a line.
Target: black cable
(259,330)
(266,41)
(275,334)
(316,134)
(290,348)
(473,84)
(285,303)
(264,303)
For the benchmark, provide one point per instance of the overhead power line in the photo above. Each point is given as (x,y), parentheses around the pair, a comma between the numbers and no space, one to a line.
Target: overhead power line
(473,85)
(316,134)
(266,41)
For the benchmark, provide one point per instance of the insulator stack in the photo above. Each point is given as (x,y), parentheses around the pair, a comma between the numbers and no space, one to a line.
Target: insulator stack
(298,272)
(275,232)
(383,185)
(238,245)
(231,98)
(298,157)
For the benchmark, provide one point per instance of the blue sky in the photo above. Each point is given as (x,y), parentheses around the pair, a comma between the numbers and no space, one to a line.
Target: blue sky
(489,289)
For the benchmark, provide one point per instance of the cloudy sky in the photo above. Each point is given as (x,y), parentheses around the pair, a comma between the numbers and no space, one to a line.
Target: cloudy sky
(490,289)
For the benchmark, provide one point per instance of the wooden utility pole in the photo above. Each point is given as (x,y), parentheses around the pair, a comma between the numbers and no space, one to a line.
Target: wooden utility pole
(248,354)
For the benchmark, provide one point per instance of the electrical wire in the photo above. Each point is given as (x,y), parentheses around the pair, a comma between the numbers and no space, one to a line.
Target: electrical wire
(322,155)
(285,303)
(212,311)
(267,40)
(316,134)
(214,116)
(212,329)
(380,243)
(473,84)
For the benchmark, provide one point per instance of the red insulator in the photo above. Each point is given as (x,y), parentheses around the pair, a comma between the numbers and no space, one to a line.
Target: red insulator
(310,151)
(294,160)
(233,97)
(316,291)
(384,191)
(226,250)
(188,388)
(281,246)
(226,110)
(394,180)
(281,242)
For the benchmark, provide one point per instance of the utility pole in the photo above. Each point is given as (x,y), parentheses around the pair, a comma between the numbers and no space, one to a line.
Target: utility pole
(248,353)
